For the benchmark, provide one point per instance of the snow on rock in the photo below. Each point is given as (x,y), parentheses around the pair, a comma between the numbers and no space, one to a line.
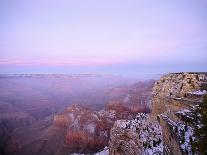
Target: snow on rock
(185,113)
(188,134)
(198,92)
(183,132)
(105,151)
(176,99)
(149,133)
(109,113)
(86,130)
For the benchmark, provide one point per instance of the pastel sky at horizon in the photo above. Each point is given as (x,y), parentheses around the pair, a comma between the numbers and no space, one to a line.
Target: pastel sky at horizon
(103,36)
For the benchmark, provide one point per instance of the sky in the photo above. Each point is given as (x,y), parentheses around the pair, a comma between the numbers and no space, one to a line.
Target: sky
(103,36)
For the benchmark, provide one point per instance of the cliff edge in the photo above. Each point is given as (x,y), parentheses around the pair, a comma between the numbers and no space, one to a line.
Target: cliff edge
(177,101)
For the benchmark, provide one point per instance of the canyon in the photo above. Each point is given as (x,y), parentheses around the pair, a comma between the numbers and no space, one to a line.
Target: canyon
(61,114)
(176,125)
(166,116)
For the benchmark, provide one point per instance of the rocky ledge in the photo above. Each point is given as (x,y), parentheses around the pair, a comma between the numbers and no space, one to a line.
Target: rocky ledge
(177,124)
(178,105)
(137,136)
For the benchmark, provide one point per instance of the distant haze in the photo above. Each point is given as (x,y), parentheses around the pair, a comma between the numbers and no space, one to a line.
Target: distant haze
(104,36)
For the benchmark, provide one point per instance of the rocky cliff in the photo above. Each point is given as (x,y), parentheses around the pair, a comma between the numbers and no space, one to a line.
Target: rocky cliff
(137,136)
(176,100)
(176,125)
(88,131)
(171,128)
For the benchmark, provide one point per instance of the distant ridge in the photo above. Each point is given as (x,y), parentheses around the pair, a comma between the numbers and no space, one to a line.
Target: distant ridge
(54,75)
(188,73)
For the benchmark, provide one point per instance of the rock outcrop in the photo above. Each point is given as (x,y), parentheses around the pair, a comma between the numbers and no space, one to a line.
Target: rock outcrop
(171,128)
(175,98)
(77,129)
(88,131)
(137,136)
(29,123)
(136,97)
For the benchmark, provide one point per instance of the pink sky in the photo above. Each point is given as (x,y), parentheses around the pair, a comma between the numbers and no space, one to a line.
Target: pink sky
(63,62)
(97,33)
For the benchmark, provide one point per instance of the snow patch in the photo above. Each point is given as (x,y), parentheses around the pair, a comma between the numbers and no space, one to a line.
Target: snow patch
(149,133)
(198,92)
(104,152)
(183,131)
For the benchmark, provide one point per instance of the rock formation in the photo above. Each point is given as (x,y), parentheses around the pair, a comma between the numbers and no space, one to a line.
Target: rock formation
(177,101)
(175,98)
(171,127)
(88,131)
(137,136)
(31,121)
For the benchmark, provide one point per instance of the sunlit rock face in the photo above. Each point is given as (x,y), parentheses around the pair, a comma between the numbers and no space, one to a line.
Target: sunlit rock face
(88,131)
(177,87)
(121,111)
(176,99)
(136,98)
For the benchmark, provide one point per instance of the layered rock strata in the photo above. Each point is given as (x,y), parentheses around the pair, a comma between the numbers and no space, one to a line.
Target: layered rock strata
(175,98)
